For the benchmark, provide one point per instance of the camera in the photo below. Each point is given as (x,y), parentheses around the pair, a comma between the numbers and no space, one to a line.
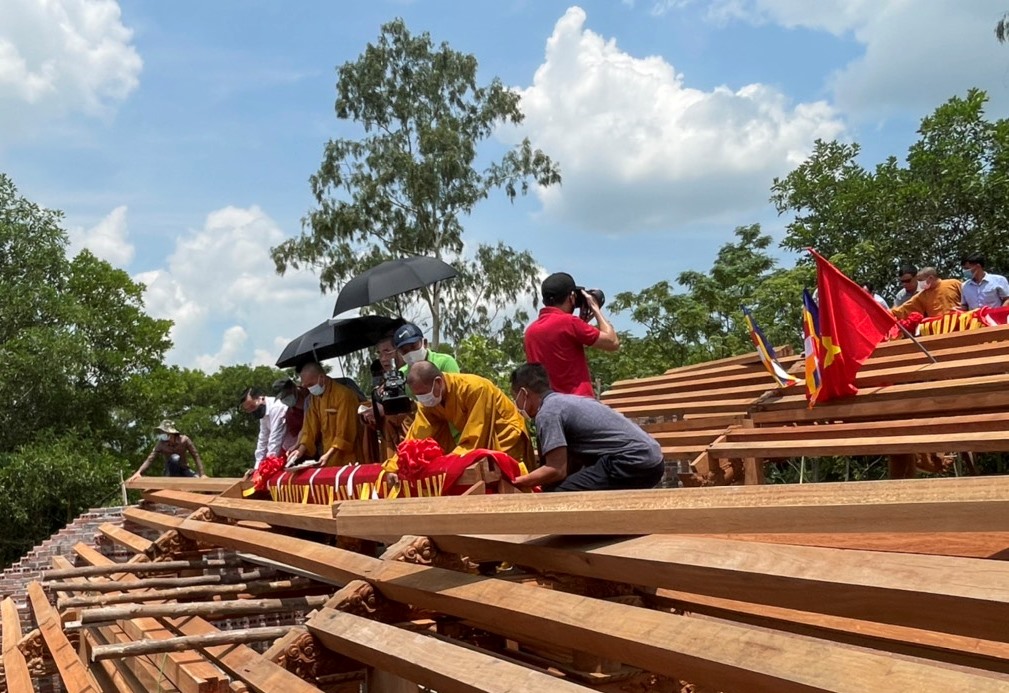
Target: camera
(389,390)
(582,305)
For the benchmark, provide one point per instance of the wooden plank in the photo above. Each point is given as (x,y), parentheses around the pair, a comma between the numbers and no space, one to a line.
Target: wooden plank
(726,406)
(15,667)
(181,483)
(724,656)
(241,661)
(937,424)
(425,660)
(991,545)
(75,676)
(806,445)
(310,517)
(133,542)
(695,423)
(976,504)
(946,647)
(966,596)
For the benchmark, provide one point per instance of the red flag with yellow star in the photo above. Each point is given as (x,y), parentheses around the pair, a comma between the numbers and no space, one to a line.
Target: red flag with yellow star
(851,325)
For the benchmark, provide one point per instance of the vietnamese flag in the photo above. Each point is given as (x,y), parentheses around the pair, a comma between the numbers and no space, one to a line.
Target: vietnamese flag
(851,325)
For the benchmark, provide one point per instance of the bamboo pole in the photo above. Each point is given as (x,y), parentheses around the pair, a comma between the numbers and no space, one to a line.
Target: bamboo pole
(223,609)
(158,583)
(189,642)
(259,587)
(163,567)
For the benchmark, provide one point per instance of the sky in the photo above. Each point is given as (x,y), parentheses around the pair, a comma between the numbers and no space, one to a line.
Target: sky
(178,138)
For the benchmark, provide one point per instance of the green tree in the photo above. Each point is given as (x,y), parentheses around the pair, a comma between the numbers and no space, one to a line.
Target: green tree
(704,321)
(405,186)
(946,200)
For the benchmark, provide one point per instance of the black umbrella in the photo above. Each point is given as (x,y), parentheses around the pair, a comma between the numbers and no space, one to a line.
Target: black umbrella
(337,338)
(391,278)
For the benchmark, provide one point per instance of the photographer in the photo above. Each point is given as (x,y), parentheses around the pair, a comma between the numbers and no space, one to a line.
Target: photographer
(557,338)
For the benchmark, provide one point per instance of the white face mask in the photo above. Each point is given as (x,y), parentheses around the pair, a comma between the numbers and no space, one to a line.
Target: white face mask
(416,356)
(922,286)
(289,401)
(317,389)
(163,437)
(429,399)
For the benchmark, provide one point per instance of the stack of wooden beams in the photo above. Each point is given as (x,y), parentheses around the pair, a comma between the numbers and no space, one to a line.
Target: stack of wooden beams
(710,417)
(877,586)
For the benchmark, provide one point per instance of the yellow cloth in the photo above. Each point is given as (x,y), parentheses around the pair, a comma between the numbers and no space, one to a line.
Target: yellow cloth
(941,298)
(334,415)
(484,416)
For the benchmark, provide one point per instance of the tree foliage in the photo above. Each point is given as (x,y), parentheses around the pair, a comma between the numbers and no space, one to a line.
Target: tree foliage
(405,187)
(946,200)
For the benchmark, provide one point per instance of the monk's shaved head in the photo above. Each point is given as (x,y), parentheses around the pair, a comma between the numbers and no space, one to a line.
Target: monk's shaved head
(421,376)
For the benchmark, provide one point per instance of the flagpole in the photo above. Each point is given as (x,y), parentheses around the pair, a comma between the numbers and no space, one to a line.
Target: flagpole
(916,342)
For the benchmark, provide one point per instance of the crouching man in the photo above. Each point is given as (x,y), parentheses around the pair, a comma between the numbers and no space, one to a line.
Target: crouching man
(584,445)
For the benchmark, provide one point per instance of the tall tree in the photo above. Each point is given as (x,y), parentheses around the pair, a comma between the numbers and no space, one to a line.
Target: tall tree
(944,201)
(404,187)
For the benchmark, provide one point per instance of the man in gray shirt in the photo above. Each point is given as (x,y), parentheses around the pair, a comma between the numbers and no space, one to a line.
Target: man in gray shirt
(584,445)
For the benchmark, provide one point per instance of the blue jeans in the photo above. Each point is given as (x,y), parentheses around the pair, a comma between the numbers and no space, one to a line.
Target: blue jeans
(611,474)
(174,466)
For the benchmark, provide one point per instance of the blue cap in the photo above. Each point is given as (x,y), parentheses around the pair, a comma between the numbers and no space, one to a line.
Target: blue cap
(407,334)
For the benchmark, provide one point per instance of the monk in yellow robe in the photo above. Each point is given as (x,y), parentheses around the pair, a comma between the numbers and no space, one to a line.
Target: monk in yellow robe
(331,417)
(937,296)
(464,412)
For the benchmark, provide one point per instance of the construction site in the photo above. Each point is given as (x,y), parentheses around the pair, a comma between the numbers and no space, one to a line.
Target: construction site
(717,582)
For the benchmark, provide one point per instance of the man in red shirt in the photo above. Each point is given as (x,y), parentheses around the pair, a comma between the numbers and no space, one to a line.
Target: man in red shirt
(557,338)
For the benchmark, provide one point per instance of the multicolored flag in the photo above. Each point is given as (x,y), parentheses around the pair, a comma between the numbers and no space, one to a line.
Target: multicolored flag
(766,353)
(850,324)
(811,345)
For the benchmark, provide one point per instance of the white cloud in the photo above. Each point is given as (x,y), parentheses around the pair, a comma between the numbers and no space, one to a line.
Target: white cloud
(639,148)
(63,56)
(107,239)
(915,54)
(228,304)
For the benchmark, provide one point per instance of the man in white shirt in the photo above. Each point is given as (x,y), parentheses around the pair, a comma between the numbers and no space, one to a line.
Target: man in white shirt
(982,288)
(272,414)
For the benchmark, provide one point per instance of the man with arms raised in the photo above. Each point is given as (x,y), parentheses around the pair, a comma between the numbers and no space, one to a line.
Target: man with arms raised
(557,338)
(332,413)
(584,445)
(464,412)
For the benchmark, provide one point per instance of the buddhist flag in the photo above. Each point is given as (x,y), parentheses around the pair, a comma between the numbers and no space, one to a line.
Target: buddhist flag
(851,325)
(766,353)
(811,346)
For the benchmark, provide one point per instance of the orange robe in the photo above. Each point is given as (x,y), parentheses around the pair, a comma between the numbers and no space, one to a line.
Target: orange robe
(940,299)
(333,414)
(483,415)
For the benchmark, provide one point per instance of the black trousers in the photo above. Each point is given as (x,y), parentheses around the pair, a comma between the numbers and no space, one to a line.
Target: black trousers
(174,466)
(612,473)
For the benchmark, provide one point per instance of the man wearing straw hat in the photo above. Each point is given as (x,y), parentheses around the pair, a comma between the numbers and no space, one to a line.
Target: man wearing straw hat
(172,447)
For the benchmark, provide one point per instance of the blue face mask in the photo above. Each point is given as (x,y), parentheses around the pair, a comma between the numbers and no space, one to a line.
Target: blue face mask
(967,275)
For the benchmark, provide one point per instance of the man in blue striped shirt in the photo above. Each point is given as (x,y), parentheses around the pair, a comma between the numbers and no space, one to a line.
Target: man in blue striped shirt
(982,288)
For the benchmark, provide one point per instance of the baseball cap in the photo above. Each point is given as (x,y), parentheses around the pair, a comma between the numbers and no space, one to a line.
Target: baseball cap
(558,285)
(407,334)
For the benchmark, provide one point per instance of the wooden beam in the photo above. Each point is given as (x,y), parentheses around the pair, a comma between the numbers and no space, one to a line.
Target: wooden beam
(432,663)
(75,676)
(723,656)
(240,661)
(993,545)
(147,675)
(966,596)
(211,609)
(941,505)
(201,591)
(806,444)
(310,517)
(911,426)
(130,568)
(188,642)
(15,667)
(181,483)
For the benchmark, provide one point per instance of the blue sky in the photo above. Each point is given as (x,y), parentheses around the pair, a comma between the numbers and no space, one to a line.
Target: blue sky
(178,137)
